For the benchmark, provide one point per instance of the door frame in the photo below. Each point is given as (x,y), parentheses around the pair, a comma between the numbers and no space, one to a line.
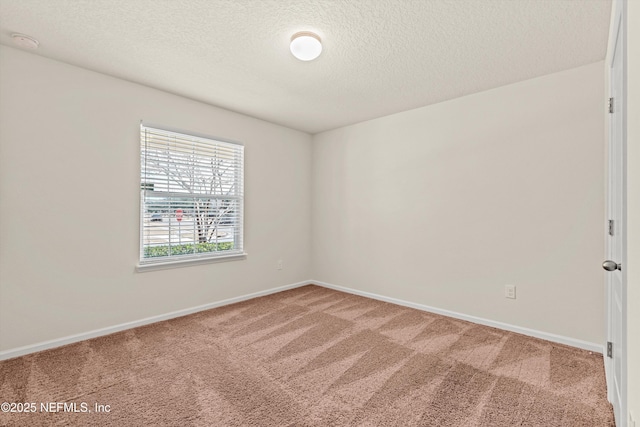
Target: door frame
(618,28)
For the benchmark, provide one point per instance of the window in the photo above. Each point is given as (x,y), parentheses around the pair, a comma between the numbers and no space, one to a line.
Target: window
(191,197)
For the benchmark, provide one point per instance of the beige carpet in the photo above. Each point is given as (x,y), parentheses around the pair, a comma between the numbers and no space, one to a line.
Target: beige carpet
(311,357)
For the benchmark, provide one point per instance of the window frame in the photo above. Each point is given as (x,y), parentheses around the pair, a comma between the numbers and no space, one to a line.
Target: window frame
(173,261)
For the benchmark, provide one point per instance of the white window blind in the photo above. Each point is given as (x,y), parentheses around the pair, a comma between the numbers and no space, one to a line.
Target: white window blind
(191,197)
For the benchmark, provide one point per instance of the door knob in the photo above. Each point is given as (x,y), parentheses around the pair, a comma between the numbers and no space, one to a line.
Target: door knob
(611,265)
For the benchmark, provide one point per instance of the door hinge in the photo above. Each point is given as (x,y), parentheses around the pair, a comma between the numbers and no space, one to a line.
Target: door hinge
(610,227)
(609,349)
(610,105)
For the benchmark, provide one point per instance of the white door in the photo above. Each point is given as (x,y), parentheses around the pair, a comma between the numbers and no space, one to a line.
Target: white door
(615,357)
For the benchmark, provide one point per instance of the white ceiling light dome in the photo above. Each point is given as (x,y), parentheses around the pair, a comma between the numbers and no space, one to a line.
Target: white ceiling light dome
(306,46)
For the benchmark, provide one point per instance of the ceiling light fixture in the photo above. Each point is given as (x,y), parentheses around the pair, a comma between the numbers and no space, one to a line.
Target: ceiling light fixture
(25,41)
(306,46)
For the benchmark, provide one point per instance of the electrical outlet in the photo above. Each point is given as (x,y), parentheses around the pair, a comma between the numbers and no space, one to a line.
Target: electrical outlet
(279,264)
(510,291)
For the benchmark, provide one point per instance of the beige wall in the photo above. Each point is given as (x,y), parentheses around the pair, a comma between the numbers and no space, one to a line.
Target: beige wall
(445,205)
(633,209)
(69,220)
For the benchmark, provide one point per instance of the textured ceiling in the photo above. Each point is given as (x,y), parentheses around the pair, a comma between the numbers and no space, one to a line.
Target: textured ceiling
(380,56)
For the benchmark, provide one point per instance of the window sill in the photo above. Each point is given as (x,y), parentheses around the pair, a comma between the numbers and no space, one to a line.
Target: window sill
(188,262)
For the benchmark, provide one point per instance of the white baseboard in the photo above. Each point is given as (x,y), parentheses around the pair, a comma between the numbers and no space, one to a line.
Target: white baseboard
(596,348)
(46,345)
